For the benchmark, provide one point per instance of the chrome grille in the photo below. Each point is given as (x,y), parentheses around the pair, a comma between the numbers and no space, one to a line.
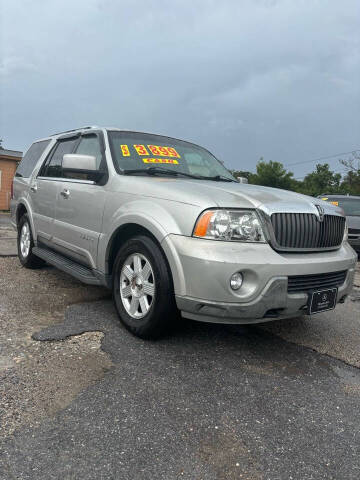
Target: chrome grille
(306,283)
(299,231)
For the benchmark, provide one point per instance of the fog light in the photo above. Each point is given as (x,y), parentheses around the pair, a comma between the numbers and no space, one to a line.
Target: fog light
(236,281)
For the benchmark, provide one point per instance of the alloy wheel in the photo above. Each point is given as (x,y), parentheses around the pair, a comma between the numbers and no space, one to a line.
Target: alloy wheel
(25,240)
(137,285)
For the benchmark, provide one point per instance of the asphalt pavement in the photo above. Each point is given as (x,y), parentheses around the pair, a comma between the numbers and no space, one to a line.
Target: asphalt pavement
(8,246)
(81,398)
(4,218)
(208,402)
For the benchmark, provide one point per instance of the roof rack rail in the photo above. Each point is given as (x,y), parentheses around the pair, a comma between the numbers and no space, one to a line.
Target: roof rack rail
(87,127)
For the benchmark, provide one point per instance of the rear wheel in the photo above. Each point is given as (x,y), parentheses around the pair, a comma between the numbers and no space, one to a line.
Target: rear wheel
(142,288)
(25,244)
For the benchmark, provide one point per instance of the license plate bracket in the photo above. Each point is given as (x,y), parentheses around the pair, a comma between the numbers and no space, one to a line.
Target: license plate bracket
(322,300)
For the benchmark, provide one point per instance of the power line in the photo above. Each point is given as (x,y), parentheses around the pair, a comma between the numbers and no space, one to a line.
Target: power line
(322,158)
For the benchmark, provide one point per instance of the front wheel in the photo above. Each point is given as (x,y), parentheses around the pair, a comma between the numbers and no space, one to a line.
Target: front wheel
(142,288)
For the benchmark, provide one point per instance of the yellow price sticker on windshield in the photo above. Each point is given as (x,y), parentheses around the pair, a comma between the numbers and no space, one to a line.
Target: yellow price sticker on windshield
(125,150)
(335,203)
(163,151)
(141,150)
(161,160)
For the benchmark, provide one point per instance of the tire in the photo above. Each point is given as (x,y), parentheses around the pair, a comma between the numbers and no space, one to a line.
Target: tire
(25,245)
(143,288)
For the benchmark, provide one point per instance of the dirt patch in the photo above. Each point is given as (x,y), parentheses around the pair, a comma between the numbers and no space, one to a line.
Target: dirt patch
(46,379)
(39,378)
(352,389)
(228,456)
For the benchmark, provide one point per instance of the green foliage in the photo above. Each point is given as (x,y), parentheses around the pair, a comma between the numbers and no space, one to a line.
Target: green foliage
(321,180)
(272,174)
(351,181)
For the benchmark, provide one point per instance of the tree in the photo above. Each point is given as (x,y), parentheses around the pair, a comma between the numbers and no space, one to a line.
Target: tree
(1,147)
(273,174)
(351,181)
(322,180)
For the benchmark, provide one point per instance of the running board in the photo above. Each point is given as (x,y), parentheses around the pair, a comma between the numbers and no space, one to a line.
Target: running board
(63,263)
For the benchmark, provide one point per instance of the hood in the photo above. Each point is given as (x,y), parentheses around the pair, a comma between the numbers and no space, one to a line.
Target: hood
(207,194)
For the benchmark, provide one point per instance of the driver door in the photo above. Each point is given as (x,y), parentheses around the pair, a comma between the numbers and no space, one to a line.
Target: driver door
(80,205)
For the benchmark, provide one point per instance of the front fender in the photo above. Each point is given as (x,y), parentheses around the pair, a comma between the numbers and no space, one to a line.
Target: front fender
(153,216)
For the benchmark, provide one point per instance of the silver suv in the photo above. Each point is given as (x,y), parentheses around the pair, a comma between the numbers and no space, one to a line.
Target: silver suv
(166,226)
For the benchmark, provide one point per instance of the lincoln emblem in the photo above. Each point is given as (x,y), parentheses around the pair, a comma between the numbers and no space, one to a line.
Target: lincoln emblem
(321,211)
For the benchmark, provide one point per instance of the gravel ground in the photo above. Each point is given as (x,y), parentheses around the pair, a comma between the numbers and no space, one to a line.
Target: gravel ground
(37,379)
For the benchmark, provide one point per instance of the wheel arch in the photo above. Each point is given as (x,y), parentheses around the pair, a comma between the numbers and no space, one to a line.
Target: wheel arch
(123,233)
(21,209)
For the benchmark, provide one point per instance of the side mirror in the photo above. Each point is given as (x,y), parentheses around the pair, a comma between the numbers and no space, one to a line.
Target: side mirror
(74,163)
(242,180)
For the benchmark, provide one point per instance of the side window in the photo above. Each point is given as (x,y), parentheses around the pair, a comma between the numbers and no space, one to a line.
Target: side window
(90,145)
(54,166)
(30,159)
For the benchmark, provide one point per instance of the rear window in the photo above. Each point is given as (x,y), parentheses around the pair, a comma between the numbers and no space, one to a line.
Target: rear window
(31,158)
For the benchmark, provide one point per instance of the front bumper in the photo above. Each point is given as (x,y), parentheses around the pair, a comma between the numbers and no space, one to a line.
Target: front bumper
(202,269)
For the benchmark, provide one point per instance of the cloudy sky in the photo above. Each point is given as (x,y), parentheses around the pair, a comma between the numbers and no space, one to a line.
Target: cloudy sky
(245,78)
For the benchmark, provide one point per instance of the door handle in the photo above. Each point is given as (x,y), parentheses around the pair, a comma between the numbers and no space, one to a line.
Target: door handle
(33,188)
(65,193)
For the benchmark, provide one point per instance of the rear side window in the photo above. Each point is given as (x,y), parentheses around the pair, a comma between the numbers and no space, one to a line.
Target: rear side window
(54,166)
(31,158)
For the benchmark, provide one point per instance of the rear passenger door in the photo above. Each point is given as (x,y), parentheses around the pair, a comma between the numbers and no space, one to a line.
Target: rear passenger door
(44,189)
(80,206)
(24,184)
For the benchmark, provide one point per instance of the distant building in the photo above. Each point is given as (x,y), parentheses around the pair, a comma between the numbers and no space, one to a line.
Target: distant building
(9,160)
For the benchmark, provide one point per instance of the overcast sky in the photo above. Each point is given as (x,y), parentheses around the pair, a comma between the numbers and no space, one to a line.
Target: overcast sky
(278,79)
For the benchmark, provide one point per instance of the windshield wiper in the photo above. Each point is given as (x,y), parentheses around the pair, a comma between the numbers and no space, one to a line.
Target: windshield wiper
(156,170)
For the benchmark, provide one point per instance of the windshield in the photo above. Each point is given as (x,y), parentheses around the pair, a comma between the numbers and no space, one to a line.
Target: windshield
(351,206)
(136,151)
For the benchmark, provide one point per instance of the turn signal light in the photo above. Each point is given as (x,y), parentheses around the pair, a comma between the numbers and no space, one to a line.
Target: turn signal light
(203,223)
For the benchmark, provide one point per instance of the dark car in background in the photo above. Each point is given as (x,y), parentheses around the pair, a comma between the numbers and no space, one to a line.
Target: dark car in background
(351,206)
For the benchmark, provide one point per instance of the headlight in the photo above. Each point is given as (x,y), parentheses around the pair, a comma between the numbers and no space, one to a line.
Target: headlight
(232,225)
